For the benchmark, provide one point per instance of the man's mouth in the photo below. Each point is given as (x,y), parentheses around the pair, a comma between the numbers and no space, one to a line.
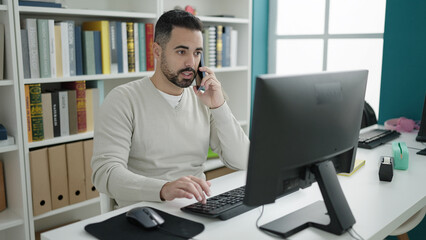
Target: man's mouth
(188,74)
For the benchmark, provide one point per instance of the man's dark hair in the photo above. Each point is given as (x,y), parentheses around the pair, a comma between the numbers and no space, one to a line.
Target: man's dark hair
(171,19)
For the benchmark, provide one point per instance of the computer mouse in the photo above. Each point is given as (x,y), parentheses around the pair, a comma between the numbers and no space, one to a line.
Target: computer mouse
(145,217)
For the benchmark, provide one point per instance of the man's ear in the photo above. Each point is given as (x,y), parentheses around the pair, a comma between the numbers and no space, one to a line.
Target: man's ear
(157,50)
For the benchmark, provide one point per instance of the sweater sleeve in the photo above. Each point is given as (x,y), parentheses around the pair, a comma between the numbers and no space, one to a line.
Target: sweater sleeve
(228,138)
(112,141)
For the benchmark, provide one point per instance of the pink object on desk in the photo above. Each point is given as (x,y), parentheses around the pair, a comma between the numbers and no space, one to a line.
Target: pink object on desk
(401,124)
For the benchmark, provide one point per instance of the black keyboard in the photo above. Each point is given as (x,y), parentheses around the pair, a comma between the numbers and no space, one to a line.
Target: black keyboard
(223,206)
(376,137)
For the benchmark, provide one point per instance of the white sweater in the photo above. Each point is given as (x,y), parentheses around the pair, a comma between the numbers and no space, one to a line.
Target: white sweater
(141,142)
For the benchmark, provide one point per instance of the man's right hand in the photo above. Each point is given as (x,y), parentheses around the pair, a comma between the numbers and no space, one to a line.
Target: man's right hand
(186,187)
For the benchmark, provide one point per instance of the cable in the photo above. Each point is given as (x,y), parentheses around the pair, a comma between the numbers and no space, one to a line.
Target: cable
(263,231)
(354,234)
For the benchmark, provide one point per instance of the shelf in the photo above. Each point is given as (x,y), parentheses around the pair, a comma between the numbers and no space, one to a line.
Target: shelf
(84,12)
(8,219)
(67,208)
(88,77)
(6,83)
(117,76)
(58,140)
(223,20)
(3,7)
(9,148)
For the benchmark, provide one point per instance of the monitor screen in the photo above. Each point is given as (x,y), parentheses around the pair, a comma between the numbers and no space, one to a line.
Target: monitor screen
(305,129)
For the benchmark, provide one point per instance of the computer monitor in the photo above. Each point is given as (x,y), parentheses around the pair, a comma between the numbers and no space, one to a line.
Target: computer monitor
(305,128)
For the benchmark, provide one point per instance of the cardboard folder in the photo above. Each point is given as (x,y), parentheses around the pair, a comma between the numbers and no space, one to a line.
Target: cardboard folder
(58,176)
(88,151)
(40,183)
(76,176)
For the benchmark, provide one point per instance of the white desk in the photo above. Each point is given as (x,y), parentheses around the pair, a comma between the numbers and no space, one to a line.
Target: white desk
(378,207)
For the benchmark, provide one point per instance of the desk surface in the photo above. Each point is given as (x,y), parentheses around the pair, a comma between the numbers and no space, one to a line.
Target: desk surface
(378,207)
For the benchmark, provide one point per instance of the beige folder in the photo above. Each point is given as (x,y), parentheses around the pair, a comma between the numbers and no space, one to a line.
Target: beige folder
(58,176)
(88,151)
(76,176)
(40,183)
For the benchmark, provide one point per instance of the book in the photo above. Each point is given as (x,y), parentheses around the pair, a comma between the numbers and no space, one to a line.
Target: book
(88,53)
(52,48)
(71,48)
(234,48)
(65,49)
(211,46)
(43,47)
(36,112)
(136,45)
(219,46)
(226,43)
(28,112)
(63,113)
(56,114)
(149,37)
(98,52)
(1,51)
(25,53)
(72,111)
(39,4)
(79,102)
(58,50)
(357,165)
(103,28)
(78,51)
(206,52)
(142,47)
(89,109)
(113,46)
(46,102)
(130,47)
(31,26)
(124,46)
(119,39)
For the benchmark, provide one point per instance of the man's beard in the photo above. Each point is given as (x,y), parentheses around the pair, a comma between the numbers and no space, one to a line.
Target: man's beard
(174,77)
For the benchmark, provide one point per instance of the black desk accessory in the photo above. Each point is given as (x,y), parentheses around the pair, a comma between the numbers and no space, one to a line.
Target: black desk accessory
(118,227)
(386,169)
(376,137)
(3,132)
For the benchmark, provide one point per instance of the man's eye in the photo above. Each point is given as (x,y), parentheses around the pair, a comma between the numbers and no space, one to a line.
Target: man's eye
(198,53)
(181,52)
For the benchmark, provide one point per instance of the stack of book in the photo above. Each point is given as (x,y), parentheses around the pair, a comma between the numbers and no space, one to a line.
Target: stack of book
(220,46)
(52,49)
(60,112)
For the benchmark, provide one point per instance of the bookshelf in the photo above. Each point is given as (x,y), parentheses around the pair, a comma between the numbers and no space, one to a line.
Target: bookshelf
(14,219)
(18,222)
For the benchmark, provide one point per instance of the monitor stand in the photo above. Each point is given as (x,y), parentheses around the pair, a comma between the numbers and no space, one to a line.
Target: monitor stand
(334,217)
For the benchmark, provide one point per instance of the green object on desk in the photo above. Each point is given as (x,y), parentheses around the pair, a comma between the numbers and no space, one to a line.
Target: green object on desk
(212,154)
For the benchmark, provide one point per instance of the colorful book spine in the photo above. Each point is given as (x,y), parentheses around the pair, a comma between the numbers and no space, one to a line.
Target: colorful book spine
(142,47)
(78,51)
(149,36)
(113,46)
(119,39)
(80,92)
(219,46)
(56,114)
(25,53)
(58,50)
(46,101)
(43,47)
(89,53)
(31,26)
(28,111)
(71,45)
(103,28)
(130,47)
(98,52)
(36,112)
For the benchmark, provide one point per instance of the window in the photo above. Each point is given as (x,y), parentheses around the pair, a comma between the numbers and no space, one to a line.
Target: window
(319,35)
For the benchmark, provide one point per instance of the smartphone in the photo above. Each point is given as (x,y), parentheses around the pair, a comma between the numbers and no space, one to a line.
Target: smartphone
(201,75)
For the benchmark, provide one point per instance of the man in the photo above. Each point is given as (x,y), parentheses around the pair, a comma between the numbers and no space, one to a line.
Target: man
(153,135)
